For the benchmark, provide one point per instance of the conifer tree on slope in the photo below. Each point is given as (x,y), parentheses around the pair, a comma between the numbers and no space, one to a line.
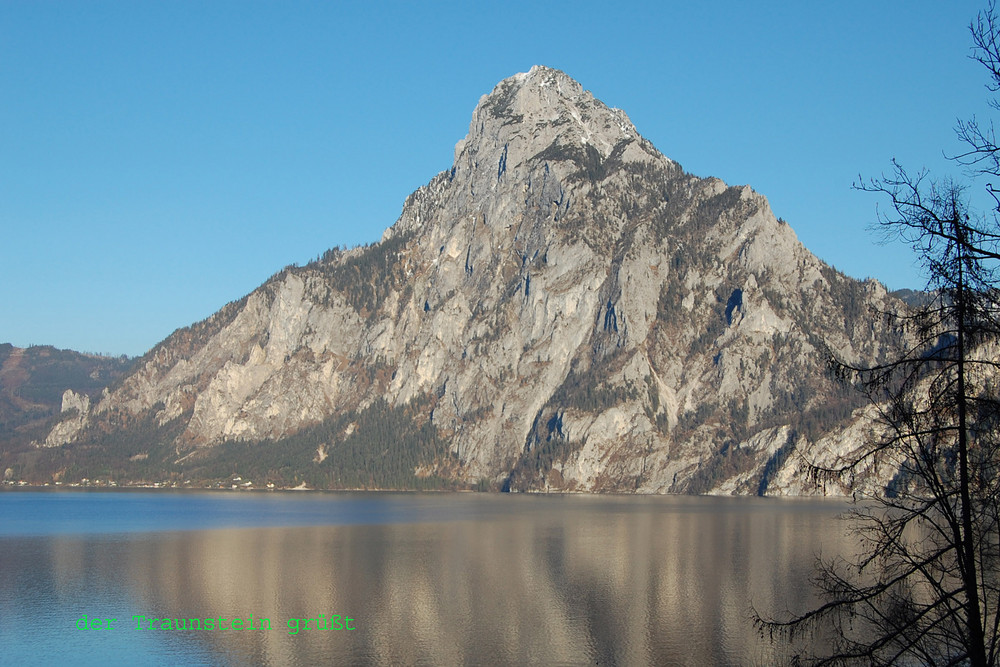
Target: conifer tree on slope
(926,587)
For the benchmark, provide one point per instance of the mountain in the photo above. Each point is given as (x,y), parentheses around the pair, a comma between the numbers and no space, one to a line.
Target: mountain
(915,298)
(38,382)
(563,309)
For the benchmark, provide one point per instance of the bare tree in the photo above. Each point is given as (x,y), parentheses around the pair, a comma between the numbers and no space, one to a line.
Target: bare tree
(925,588)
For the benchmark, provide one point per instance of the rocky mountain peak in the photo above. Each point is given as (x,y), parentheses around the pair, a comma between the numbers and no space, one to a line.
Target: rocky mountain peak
(545,97)
(532,111)
(564,308)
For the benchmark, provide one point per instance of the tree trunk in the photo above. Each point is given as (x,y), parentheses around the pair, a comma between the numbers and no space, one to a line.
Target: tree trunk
(976,638)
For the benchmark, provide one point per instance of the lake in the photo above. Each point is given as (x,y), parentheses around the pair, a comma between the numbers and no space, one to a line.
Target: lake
(427,579)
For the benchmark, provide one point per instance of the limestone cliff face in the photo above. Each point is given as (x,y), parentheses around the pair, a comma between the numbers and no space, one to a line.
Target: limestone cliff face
(565,307)
(75,407)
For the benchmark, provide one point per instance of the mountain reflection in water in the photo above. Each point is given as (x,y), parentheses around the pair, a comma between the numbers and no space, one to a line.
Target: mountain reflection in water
(532,580)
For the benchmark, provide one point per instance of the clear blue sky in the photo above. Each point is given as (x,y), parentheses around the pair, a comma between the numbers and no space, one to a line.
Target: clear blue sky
(159,159)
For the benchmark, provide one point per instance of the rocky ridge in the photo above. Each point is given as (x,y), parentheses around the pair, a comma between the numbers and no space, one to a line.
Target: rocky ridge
(34,385)
(563,309)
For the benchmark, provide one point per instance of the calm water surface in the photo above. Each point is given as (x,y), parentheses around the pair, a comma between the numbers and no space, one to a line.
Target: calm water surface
(435,579)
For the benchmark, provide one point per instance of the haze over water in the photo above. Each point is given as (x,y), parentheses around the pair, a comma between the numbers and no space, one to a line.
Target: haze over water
(427,579)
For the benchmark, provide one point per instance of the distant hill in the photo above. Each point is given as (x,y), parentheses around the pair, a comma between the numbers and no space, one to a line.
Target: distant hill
(32,383)
(915,298)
